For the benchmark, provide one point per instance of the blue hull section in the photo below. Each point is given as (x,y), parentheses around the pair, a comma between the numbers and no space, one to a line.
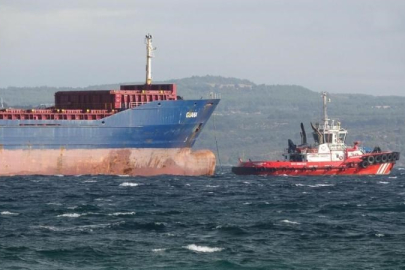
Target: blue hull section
(158,124)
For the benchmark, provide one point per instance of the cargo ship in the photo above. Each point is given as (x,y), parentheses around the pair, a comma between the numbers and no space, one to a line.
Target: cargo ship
(329,155)
(144,130)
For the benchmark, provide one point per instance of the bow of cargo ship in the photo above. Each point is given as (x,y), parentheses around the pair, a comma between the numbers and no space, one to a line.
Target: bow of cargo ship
(135,130)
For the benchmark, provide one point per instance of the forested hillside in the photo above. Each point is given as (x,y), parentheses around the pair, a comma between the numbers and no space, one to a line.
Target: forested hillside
(255,121)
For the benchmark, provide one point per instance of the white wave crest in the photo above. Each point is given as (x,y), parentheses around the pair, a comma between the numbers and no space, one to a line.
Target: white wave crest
(379,235)
(289,222)
(196,248)
(321,185)
(102,199)
(211,186)
(53,203)
(122,214)
(383,182)
(8,213)
(129,184)
(160,223)
(71,215)
(51,228)
(158,249)
(88,228)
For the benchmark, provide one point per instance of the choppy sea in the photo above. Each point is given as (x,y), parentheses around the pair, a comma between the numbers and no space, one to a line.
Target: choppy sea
(220,222)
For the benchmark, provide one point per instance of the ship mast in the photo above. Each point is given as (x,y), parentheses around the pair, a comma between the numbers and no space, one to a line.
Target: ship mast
(149,55)
(325,113)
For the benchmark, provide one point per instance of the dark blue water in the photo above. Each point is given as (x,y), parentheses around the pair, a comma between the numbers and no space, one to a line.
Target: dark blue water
(221,222)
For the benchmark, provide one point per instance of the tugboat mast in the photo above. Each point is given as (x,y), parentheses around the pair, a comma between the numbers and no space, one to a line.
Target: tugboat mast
(325,114)
(149,55)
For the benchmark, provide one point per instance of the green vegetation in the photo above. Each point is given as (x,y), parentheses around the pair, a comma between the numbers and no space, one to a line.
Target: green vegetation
(255,121)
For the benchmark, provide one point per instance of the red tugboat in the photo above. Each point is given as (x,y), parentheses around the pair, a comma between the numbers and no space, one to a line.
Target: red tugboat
(328,156)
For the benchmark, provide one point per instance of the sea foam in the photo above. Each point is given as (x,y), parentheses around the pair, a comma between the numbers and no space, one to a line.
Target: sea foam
(158,249)
(81,228)
(71,215)
(321,185)
(5,213)
(53,203)
(204,249)
(129,184)
(289,222)
(122,214)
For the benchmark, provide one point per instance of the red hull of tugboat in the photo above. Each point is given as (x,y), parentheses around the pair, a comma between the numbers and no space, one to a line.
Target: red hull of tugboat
(310,168)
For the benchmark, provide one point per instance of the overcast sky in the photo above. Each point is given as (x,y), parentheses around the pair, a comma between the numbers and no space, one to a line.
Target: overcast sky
(336,46)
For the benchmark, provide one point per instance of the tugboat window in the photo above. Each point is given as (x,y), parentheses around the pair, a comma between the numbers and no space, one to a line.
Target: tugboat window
(342,137)
(328,138)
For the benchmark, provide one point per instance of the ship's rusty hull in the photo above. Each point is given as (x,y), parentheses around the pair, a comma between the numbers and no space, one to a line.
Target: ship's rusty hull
(122,161)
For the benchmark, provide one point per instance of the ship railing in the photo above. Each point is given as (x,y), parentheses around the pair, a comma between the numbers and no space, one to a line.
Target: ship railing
(56,114)
(136,104)
(337,147)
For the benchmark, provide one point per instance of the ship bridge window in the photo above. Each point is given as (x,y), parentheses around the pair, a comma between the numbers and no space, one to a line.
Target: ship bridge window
(328,138)
(342,137)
